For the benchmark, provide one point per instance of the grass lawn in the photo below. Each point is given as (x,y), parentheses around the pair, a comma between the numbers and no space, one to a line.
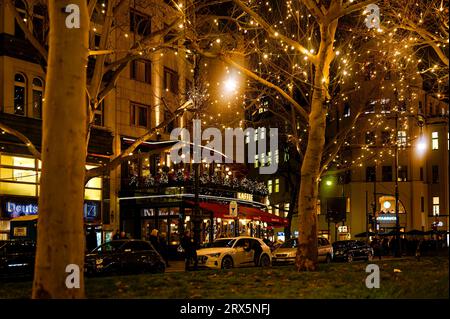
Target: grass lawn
(425,279)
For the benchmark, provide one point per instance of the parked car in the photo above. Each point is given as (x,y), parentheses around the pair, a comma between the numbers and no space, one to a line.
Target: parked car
(227,253)
(17,258)
(124,257)
(286,253)
(349,250)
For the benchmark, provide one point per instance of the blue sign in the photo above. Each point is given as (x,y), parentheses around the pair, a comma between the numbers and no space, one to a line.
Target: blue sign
(14,209)
(18,209)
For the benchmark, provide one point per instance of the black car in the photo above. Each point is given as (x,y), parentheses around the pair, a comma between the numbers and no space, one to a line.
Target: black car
(124,257)
(17,259)
(349,250)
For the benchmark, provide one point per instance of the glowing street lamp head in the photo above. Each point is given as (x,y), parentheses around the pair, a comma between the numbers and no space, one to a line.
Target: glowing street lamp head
(328,183)
(230,85)
(421,145)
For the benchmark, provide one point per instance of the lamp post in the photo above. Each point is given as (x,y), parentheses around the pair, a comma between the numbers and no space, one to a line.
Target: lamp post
(398,252)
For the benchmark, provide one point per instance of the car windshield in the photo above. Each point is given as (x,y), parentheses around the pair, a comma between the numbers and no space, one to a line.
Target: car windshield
(223,243)
(108,247)
(291,243)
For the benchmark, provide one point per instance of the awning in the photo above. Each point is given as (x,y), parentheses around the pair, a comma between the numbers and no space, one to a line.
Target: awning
(248,212)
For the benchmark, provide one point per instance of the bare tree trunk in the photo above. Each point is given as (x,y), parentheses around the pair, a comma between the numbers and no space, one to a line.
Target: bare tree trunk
(60,226)
(310,169)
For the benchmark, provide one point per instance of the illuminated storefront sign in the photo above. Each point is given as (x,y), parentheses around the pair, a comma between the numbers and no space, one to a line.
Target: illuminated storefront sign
(387,218)
(15,209)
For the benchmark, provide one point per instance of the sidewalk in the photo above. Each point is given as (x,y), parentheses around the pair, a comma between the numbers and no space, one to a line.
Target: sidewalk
(175,266)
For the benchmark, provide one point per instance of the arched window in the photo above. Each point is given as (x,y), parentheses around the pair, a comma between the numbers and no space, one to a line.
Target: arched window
(38,94)
(22,9)
(20,94)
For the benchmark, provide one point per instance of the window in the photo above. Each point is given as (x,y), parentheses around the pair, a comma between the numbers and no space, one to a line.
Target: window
(434,140)
(262,159)
(422,204)
(386,173)
(421,174)
(99,114)
(370,174)
(22,9)
(385,107)
(277,210)
(38,91)
(286,209)
(141,70)
(347,110)
(256,160)
(170,81)
(385,137)
(262,133)
(435,174)
(269,186)
(277,156)
(401,138)
(140,23)
(247,137)
(435,206)
(403,173)
(256,134)
(370,108)
(39,14)
(139,115)
(268,158)
(370,138)
(277,185)
(20,88)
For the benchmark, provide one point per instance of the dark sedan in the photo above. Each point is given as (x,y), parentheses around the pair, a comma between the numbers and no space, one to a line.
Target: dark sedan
(350,250)
(124,257)
(17,259)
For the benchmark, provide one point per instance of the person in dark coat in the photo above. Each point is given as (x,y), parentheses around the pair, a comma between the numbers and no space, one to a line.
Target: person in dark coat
(154,240)
(163,249)
(256,246)
(116,235)
(190,253)
(91,240)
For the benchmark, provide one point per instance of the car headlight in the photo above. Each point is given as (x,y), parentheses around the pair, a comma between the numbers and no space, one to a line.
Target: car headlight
(99,261)
(216,255)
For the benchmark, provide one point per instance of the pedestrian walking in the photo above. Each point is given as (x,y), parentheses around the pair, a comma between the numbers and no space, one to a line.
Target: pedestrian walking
(190,252)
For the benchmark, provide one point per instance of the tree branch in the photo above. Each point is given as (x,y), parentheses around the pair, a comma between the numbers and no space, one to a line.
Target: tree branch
(22,138)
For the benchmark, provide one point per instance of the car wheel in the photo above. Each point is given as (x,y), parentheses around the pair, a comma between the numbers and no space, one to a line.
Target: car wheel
(328,259)
(227,262)
(349,258)
(264,261)
(160,268)
(369,256)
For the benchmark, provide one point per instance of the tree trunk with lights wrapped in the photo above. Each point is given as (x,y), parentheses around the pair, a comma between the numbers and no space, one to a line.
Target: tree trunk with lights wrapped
(60,226)
(310,169)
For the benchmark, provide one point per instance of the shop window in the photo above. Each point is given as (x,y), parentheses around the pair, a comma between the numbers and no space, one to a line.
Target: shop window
(38,95)
(434,140)
(387,173)
(170,81)
(139,115)
(140,23)
(20,89)
(370,174)
(18,176)
(435,174)
(436,206)
(141,70)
